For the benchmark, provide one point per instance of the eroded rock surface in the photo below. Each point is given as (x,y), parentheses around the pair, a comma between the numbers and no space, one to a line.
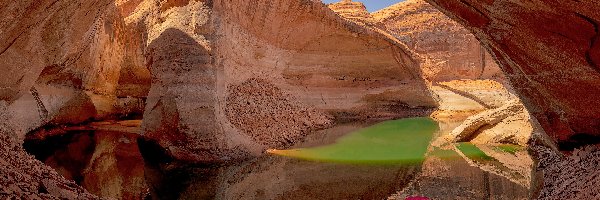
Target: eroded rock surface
(217,49)
(176,60)
(63,62)
(549,52)
(22,176)
(451,51)
(352,10)
(268,115)
(507,124)
(566,177)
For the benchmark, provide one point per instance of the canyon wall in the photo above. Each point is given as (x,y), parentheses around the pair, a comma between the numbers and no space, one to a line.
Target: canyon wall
(202,73)
(451,50)
(352,10)
(292,66)
(549,51)
(63,63)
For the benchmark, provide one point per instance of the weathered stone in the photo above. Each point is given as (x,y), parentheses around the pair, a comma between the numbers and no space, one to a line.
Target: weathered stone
(451,51)
(198,50)
(549,52)
(506,124)
(352,10)
(57,191)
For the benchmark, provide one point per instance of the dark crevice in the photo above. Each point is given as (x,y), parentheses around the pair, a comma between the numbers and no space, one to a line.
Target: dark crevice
(41,108)
(577,141)
(483,15)
(482,55)
(11,43)
(153,153)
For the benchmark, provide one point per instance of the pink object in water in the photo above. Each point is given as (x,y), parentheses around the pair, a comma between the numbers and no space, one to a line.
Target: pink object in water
(417,198)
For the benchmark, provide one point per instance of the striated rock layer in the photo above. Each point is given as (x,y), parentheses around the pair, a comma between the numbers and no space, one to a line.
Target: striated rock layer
(351,10)
(550,53)
(506,124)
(178,63)
(199,53)
(66,63)
(452,52)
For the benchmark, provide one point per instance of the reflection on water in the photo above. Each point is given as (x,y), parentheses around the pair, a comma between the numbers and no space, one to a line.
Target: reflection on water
(274,177)
(279,177)
(396,141)
(107,161)
(110,164)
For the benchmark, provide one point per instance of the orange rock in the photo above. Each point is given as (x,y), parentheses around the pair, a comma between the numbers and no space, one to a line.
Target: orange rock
(548,51)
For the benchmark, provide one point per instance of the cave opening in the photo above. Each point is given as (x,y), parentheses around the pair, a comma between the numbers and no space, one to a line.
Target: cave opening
(90,130)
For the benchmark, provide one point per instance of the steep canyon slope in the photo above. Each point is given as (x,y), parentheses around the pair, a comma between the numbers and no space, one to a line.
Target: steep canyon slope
(214,85)
(451,52)
(550,53)
(202,72)
(292,66)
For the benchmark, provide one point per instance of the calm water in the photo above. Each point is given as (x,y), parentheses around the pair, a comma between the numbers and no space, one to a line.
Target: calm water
(348,161)
(403,141)
(109,163)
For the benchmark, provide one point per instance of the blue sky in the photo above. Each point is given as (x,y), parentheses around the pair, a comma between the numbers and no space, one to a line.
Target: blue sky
(372,5)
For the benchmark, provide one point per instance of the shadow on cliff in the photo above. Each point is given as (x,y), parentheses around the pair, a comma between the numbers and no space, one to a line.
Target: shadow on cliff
(179,125)
(183,82)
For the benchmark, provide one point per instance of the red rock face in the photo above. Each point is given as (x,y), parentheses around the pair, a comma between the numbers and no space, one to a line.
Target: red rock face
(549,51)
(280,120)
(65,62)
(351,10)
(203,54)
(452,51)
(68,63)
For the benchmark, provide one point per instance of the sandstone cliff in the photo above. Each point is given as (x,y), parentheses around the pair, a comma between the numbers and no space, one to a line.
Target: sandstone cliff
(314,61)
(181,63)
(352,10)
(64,63)
(452,52)
(550,53)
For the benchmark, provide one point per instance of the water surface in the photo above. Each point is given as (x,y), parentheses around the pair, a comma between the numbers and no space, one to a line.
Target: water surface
(347,161)
(396,141)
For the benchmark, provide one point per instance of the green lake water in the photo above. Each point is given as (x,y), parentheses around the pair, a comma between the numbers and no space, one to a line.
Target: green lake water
(473,152)
(402,141)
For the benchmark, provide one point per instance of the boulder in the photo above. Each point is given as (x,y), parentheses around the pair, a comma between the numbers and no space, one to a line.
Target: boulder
(507,124)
